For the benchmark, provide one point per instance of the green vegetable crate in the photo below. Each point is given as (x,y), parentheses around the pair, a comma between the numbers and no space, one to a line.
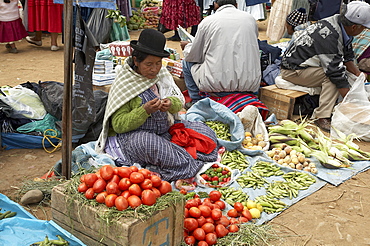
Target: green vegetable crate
(84,222)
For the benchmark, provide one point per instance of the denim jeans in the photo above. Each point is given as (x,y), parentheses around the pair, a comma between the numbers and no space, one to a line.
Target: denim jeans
(189,81)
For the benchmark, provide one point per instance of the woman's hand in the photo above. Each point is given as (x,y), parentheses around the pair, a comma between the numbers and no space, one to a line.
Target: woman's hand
(152,106)
(166,104)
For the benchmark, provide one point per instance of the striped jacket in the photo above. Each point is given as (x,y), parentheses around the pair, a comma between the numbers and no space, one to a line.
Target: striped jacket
(321,45)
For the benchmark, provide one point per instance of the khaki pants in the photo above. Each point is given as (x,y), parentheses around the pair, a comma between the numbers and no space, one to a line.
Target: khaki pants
(315,77)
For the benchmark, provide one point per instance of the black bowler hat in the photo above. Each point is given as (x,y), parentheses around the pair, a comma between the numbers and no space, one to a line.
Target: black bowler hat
(151,42)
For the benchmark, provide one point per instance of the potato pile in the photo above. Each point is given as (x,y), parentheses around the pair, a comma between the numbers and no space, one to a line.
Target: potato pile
(151,15)
(288,157)
(253,143)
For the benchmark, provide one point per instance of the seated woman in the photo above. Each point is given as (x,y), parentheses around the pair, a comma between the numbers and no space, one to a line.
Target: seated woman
(139,113)
(361,49)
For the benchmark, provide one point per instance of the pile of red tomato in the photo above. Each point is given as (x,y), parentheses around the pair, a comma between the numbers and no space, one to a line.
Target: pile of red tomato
(204,221)
(123,187)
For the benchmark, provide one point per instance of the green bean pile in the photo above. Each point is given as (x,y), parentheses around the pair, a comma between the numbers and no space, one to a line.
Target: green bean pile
(267,169)
(221,129)
(251,180)
(232,195)
(270,205)
(235,160)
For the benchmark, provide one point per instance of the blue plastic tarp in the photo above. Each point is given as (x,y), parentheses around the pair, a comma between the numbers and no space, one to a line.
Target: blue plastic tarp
(25,229)
(24,141)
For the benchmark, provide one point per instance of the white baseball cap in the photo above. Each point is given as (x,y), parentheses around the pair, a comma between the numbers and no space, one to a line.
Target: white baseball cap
(358,12)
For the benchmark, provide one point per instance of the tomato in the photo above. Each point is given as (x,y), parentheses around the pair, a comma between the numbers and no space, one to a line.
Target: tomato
(199,234)
(99,185)
(190,224)
(201,221)
(82,178)
(191,203)
(239,206)
(157,193)
(186,212)
(98,174)
(202,243)
(211,238)
(233,221)
(195,212)
(148,197)
(205,210)
(215,195)
(136,177)
(147,174)
(115,170)
(190,240)
(110,199)
(233,228)
(124,184)
(134,168)
(112,188)
(106,172)
(208,227)
(206,200)
(223,221)
(221,204)
(210,220)
(100,198)
(156,181)
(165,187)
(90,179)
(183,191)
(82,187)
(242,219)
(221,230)
(121,203)
(124,172)
(232,213)
(115,179)
(134,201)
(208,204)
(197,199)
(90,194)
(135,189)
(146,184)
(126,194)
(216,214)
(247,214)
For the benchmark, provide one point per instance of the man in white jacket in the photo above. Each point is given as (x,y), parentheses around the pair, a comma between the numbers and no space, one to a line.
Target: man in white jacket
(224,57)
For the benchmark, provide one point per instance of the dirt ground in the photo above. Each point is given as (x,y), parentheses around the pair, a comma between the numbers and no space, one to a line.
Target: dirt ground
(330,216)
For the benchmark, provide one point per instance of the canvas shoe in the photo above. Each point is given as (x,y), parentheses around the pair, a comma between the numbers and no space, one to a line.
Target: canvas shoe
(29,40)
(54,48)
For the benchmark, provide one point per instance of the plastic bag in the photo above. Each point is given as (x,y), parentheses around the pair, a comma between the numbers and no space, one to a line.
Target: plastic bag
(253,123)
(284,84)
(99,25)
(119,33)
(235,173)
(25,102)
(352,116)
(40,125)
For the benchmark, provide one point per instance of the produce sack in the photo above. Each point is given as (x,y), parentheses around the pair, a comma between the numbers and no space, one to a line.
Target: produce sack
(209,110)
(352,116)
(25,102)
(119,33)
(252,122)
(235,173)
(99,25)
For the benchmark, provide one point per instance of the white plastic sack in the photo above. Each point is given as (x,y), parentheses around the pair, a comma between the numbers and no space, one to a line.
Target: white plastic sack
(235,173)
(25,102)
(352,116)
(253,123)
(284,84)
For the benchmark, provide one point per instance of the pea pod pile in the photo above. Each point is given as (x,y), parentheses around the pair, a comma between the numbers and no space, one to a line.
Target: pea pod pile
(270,205)
(235,160)
(251,180)
(267,169)
(281,189)
(299,178)
(221,129)
(49,242)
(232,195)
(7,214)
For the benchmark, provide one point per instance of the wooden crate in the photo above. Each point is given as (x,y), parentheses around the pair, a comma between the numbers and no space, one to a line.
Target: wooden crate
(163,228)
(279,101)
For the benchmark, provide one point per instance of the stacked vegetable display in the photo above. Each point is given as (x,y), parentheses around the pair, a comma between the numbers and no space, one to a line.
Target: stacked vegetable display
(123,187)
(204,220)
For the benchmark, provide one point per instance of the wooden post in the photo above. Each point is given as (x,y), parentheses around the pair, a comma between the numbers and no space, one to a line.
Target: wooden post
(67,92)
(133,3)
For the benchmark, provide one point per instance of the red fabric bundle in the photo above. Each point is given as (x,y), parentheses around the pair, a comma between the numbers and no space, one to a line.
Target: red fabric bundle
(191,140)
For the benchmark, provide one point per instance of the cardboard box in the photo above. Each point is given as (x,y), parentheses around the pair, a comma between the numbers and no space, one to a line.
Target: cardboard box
(105,88)
(279,101)
(103,79)
(163,228)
